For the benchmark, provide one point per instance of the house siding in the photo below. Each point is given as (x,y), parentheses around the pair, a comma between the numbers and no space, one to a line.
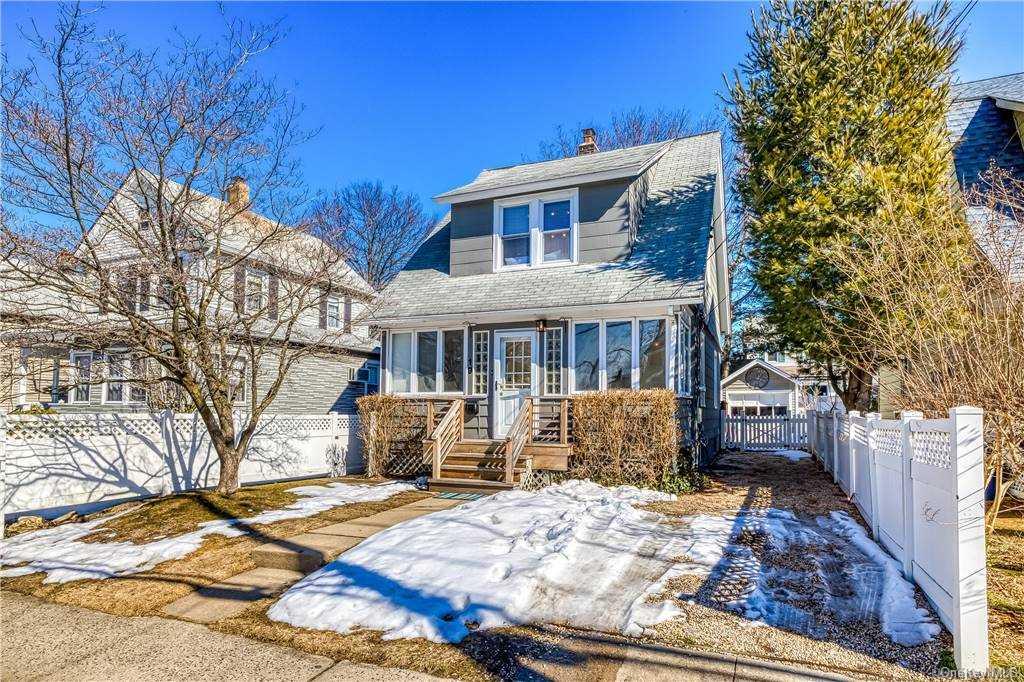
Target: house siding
(604,231)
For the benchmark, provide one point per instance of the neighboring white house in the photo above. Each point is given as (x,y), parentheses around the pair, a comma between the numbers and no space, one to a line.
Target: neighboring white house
(775,385)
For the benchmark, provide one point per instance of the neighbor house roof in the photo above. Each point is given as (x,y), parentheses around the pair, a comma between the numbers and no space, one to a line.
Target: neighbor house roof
(984,132)
(531,177)
(667,262)
(1009,87)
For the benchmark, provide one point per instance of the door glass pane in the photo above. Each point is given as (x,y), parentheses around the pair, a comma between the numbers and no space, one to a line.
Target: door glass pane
(619,354)
(515,220)
(586,363)
(401,362)
(517,365)
(652,353)
(453,354)
(556,246)
(515,250)
(426,362)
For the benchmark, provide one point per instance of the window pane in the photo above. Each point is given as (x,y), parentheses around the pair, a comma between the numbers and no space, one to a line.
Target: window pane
(619,354)
(652,353)
(83,372)
(137,393)
(556,216)
(481,362)
(515,250)
(426,362)
(586,364)
(556,246)
(453,354)
(401,362)
(515,220)
(333,314)
(684,354)
(553,362)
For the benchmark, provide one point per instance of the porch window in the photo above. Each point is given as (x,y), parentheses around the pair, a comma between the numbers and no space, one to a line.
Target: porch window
(481,360)
(401,362)
(619,354)
(652,353)
(684,355)
(586,338)
(426,362)
(453,359)
(553,361)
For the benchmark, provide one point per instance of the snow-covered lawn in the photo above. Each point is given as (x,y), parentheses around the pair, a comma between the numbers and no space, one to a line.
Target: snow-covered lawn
(60,553)
(584,555)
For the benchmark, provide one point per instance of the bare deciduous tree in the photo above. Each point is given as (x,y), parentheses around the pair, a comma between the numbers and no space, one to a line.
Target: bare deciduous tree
(939,297)
(113,238)
(378,228)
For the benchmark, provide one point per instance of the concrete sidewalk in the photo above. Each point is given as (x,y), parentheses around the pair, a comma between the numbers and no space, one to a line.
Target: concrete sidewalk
(44,641)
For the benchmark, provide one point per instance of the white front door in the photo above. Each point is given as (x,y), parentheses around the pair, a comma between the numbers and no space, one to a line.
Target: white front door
(513,376)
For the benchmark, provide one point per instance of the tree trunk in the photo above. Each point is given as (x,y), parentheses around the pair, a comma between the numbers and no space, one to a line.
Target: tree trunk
(857,393)
(230,460)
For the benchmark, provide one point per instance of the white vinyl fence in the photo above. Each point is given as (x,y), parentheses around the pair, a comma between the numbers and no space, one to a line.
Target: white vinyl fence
(920,485)
(764,432)
(56,462)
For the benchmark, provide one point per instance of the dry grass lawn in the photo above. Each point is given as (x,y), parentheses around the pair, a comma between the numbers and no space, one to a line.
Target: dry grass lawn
(1006,592)
(217,559)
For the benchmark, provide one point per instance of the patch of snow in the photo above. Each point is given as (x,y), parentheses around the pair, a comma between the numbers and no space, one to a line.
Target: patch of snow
(59,552)
(901,618)
(791,455)
(575,553)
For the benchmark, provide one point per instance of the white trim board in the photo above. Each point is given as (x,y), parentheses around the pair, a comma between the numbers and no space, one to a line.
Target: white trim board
(768,366)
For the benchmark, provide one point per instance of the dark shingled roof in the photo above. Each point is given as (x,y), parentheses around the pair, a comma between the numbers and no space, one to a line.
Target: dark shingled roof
(982,132)
(667,261)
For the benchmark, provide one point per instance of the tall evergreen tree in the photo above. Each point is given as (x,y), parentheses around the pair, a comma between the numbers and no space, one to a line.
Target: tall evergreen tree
(833,102)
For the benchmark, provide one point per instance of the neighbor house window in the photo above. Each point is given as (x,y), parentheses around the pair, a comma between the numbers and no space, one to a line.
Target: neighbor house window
(121,371)
(587,365)
(619,354)
(481,361)
(536,230)
(652,353)
(256,286)
(553,361)
(333,313)
(81,364)
(453,361)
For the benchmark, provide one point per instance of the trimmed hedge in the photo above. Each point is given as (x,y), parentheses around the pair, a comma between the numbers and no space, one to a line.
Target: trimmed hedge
(392,430)
(627,437)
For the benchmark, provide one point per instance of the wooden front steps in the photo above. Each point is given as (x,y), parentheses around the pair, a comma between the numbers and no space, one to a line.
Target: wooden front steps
(479,465)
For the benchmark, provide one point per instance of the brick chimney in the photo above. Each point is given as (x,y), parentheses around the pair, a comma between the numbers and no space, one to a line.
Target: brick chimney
(589,144)
(238,193)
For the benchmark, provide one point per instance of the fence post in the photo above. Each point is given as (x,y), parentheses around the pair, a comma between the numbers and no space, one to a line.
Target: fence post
(835,447)
(3,469)
(970,631)
(907,462)
(869,437)
(850,452)
(743,430)
(810,431)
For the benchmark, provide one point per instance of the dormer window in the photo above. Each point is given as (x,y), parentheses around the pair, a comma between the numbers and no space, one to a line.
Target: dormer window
(536,230)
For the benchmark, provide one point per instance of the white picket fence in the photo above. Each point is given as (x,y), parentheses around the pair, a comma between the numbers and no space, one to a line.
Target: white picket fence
(57,462)
(764,432)
(920,485)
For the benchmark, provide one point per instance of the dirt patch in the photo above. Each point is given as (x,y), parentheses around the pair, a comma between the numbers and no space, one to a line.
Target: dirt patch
(1006,592)
(218,558)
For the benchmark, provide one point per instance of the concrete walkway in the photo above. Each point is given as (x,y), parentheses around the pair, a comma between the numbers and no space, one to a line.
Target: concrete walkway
(44,641)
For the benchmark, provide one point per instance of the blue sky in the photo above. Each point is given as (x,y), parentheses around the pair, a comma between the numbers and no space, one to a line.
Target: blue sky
(425,95)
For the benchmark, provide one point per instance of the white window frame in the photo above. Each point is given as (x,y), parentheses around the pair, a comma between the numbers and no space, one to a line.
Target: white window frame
(536,232)
(264,278)
(561,361)
(684,352)
(634,350)
(73,390)
(334,301)
(470,385)
(634,371)
(414,389)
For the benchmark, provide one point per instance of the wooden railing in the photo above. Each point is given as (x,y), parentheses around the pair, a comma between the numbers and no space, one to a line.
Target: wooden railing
(445,435)
(552,421)
(519,434)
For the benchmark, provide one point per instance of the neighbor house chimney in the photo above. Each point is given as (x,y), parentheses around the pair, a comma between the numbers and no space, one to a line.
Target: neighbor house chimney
(238,193)
(589,144)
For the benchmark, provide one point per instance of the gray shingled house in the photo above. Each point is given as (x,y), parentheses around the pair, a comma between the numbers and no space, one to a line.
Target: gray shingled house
(602,271)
